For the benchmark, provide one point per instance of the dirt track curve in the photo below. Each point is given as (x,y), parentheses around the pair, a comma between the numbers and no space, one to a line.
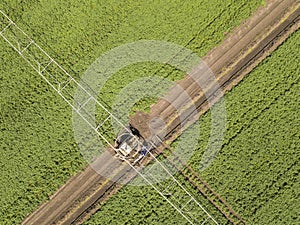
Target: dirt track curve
(229,62)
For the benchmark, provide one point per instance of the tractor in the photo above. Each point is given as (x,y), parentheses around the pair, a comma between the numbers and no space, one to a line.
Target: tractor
(130,145)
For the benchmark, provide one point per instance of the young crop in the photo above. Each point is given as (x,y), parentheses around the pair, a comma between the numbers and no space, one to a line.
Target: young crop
(38,151)
(257,169)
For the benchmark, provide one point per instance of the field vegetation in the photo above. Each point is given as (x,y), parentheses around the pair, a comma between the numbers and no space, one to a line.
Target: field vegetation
(38,151)
(257,168)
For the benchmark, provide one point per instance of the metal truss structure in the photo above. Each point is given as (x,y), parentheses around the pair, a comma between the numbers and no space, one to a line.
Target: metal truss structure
(64,84)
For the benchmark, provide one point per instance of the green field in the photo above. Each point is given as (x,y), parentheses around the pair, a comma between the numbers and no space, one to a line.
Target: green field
(38,151)
(257,169)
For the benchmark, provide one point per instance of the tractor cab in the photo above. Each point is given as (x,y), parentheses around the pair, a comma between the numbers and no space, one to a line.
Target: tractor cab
(130,145)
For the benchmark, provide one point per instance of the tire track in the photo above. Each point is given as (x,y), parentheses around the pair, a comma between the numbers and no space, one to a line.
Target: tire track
(86,189)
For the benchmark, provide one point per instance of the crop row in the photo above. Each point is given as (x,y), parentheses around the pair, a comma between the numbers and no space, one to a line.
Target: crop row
(257,168)
(258,159)
(38,151)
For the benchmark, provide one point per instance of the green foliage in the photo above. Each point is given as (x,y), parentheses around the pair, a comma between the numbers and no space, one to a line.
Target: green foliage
(257,169)
(38,151)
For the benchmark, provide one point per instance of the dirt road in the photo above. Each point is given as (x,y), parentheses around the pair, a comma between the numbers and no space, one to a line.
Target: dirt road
(229,62)
(225,63)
